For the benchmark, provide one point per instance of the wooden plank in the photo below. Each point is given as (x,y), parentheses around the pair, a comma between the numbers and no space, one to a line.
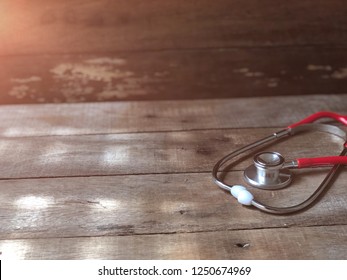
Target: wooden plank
(140,153)
(187,206)
(171,75)
(124,117)
(154,204)
(263,244)
(105,26)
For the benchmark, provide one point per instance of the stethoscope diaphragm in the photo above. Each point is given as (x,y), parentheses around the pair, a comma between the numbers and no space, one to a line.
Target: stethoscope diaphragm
(267,172)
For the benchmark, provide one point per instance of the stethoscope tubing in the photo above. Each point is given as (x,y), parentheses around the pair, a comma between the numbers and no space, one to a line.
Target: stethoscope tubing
(296,128)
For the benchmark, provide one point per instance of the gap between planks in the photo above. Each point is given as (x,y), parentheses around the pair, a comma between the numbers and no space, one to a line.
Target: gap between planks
(309,243)
(143,116)
(146,153)
(150,204)
(184,232)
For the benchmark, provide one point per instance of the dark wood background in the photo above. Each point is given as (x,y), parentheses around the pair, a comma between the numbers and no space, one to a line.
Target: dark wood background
(79,50)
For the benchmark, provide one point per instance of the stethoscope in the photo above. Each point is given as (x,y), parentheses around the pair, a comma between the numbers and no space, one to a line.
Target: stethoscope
(270,171)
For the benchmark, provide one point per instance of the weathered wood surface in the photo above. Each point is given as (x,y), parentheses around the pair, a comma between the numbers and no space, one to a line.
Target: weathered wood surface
(46,27)
(142,153)
(280,243)
(153,204)
(78,51)
(161,116)
(130,182)
(164,75)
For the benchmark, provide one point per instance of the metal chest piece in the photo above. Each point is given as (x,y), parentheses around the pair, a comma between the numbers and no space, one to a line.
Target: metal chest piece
(267,172)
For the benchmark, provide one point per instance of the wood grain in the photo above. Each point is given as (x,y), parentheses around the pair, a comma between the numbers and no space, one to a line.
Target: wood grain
(80,51)
(136,181)
(107,26)
(154,204)
(160,116)
(167,75)
(327,243)
(141,153)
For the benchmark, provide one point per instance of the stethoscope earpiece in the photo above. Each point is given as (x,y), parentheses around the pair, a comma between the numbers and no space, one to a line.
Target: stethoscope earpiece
(242,194)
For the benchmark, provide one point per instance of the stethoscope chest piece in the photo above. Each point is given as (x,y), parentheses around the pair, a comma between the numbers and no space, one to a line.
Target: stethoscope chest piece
(267,172)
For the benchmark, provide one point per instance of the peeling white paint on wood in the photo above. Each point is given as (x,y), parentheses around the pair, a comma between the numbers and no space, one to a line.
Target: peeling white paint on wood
(247,73)
(86,73)
(104,77)
(26,80)
(312,67)
(241,70)
(254,74)
(273,82)
(339,74)
(22,88)
(19,91)
(107,60)
(130,87)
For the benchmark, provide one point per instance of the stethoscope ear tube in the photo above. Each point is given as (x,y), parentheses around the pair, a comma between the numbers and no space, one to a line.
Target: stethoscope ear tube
(319,115)
(246,198)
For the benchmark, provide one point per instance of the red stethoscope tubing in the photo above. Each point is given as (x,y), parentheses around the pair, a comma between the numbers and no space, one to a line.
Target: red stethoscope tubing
(319,115)
(321,161)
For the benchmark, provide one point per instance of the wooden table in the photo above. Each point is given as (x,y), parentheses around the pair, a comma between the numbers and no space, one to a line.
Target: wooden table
(132,180)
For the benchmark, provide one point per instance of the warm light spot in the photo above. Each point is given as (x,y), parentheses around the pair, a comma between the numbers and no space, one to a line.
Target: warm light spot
(34,202)
(109,204)
(115,155)
(8,15)
(15,131)
(13,249)
(3,17)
